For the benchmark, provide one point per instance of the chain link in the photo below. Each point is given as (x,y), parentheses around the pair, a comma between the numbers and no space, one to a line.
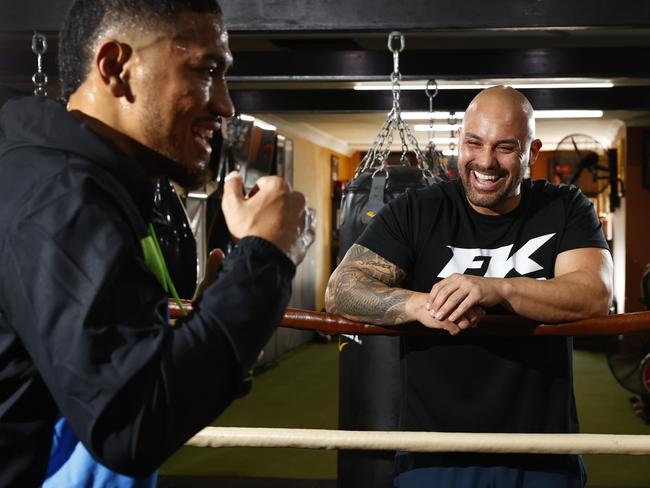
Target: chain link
(39,48)
(395,35)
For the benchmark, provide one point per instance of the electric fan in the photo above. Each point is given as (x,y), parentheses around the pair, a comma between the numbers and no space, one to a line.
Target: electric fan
(580,160)
(629,360)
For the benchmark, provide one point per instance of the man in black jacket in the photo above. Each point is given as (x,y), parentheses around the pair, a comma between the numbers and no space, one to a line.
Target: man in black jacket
(83,320)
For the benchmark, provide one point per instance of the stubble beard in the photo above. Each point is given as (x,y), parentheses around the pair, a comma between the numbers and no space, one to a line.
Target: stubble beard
(490,199)
(172,166)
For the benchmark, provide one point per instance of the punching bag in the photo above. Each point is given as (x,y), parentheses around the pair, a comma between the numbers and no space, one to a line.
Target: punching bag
(369,366)
(175,237)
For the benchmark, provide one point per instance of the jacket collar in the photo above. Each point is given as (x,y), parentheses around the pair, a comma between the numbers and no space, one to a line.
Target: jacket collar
(42,122)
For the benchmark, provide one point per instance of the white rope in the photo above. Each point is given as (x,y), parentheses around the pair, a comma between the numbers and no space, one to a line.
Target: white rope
(422,441)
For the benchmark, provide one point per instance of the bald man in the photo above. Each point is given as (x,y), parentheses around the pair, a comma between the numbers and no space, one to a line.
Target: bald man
(490,241)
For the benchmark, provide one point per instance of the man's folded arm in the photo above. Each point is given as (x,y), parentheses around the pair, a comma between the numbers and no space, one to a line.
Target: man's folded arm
(364,287)
(582,288)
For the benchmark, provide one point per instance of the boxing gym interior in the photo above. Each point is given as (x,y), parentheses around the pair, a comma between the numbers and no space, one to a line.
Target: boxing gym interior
(314,87)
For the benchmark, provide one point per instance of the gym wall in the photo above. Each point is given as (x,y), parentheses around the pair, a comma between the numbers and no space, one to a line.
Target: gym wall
(311,175)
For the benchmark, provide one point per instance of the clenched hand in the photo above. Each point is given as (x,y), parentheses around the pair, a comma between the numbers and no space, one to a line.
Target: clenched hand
(273,212)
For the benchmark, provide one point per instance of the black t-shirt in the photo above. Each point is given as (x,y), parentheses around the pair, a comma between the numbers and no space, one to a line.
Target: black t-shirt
(484,384)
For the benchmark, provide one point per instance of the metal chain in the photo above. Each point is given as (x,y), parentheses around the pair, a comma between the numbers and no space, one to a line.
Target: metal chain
(381,146)
(404,127)
(39,48)
(431,153)
(434,158)
(431,96)
(396,77)
(453,120)
(377,153)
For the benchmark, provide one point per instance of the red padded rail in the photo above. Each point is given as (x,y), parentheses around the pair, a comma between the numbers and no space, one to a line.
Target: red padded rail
(507,325)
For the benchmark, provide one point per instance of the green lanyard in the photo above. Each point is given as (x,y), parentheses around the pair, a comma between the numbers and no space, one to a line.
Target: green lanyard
(153,258)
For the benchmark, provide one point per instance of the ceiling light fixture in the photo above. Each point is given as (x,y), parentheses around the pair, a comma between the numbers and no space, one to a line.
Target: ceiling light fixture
(568,114)
(257,122)
(444,140)
(479,85)
(539,114)
(432,115)
(435,127)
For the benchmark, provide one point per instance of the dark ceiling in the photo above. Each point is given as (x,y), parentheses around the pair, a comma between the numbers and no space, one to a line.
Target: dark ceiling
(295,55)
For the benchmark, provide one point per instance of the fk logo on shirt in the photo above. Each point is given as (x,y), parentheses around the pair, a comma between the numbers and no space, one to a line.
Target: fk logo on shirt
(500,262)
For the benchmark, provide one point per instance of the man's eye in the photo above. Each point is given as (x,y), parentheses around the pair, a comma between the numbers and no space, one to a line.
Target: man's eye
(210,72)
(506,148)
(473,143)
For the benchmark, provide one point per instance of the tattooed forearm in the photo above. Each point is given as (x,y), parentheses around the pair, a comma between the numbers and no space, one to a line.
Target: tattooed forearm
(362,288)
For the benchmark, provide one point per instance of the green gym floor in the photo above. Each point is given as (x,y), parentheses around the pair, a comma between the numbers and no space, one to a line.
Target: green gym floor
(302,392)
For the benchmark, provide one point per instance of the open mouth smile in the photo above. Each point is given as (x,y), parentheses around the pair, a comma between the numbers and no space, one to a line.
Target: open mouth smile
(486,181)
(203,134)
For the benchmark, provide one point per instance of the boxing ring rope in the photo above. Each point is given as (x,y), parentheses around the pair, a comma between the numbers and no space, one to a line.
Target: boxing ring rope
(422,441)
(438,441)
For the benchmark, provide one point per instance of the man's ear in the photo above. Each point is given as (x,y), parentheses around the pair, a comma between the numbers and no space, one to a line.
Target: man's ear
(110,61)
(535,147)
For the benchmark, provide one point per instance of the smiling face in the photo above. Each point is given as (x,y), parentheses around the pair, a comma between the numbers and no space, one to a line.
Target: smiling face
(179,92)
(495,147)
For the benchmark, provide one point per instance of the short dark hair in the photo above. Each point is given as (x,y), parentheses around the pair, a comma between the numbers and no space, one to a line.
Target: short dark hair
(86,19)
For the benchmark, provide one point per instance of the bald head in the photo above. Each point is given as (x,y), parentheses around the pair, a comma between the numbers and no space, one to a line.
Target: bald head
(496,146)
(506,103)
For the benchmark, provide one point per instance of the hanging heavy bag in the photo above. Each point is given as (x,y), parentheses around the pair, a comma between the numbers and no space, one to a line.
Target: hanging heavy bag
(368,191)
(369,370)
